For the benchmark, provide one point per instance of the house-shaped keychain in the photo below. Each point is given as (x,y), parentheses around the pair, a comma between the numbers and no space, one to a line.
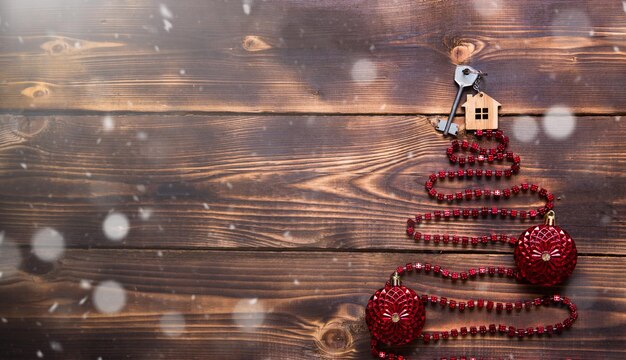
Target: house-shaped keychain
(481,112)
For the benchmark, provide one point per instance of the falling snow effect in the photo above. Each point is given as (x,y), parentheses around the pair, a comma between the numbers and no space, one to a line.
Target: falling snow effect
(167,25)
(487,8)
(48,244)
(364,71)
(116,226)
(145,213)
(10,257)
(570,22)
(109,297)
(525,129)
(53,308)
(165,11)
(247,6)
(249,314)
(56,346)
(172,324)
(108,124)
(559,122)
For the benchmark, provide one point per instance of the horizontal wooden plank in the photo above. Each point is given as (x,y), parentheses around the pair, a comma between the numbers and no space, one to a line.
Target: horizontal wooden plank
(283,181)
(309,56)
(295,305)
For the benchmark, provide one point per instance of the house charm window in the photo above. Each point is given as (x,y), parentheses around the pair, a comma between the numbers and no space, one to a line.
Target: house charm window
(482,113)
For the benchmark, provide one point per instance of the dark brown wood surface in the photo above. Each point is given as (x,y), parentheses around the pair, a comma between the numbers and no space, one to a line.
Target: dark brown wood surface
(266,155)
(274,182)
(309,56)
(242,305)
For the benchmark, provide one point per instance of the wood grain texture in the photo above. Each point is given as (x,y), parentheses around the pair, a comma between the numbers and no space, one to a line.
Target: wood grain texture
(294,305)
(309,56)
(335,182)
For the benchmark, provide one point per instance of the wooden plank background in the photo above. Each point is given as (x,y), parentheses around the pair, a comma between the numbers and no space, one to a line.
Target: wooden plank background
(267,154)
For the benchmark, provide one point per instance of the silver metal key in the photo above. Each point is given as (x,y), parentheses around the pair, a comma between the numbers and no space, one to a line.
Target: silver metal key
(464,76)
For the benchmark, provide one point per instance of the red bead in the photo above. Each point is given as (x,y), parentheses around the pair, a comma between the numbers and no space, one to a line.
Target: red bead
(400,270)
(463,331)
(481,303)
(452,304)
(492,328)
(511,331)
(445,335)
(483,329)
(454,332)
(540,330)
(489,305)
(499,307)
(473,330)
(530,331)
(443,301)
(509,306)
(558,328)
(461,306)
(470,304)
(502,328)
(521,333)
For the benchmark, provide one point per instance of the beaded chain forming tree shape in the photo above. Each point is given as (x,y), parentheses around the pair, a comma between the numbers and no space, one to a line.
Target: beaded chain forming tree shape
(544,255)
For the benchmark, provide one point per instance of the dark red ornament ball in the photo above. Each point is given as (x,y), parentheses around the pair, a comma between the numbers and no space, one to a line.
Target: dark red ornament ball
(545,255)
(395,315)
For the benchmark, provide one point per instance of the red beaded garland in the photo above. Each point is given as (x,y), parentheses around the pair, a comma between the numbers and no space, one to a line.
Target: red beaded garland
(395,314)
(545,254)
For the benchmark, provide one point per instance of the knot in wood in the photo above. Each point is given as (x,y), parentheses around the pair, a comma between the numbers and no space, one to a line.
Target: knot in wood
(334,338)
(461,53)
(255,43)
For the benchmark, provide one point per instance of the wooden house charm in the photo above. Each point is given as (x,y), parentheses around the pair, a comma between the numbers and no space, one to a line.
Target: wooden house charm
(481,112)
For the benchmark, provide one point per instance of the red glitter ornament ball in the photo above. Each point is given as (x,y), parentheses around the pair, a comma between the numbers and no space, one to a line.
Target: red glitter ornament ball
(395,315)
(545,254)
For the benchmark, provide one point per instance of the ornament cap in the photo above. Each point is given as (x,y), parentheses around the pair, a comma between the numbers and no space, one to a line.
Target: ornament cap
(550,218)
(395,279)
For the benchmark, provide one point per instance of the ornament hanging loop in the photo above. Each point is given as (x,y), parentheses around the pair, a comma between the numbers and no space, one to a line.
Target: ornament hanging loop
(550,218)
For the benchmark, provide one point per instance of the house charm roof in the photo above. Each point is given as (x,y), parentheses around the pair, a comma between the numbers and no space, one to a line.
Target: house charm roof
(481,112)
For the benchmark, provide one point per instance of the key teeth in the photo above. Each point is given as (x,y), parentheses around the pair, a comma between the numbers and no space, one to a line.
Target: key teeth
(454,128)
